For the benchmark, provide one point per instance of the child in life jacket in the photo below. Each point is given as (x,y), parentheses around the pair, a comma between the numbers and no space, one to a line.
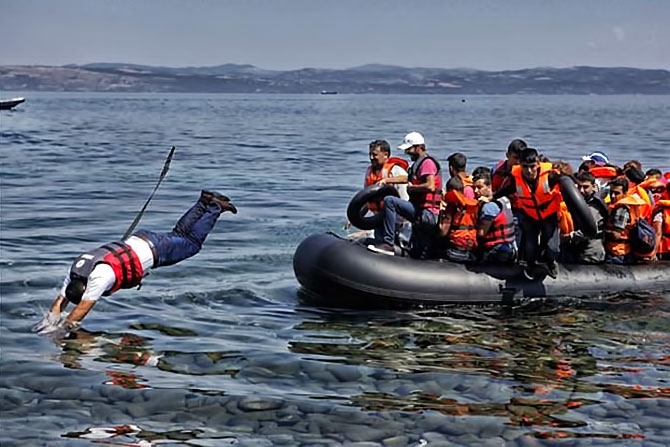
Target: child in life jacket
(457,223)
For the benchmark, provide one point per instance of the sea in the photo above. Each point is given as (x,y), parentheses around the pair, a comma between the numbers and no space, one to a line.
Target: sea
(222,350)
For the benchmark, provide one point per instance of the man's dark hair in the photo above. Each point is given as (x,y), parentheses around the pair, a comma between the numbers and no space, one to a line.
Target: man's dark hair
(458,161)
(586,166)
(455,183)
(75,290)
(635,175)
(482,176)
(585,176)
(529,156)
(383,145)
(479,170)
(620,181)
(632,164)
(516,146)
(653,172)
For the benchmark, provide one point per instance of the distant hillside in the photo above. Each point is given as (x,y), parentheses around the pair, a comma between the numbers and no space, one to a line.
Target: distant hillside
(374,78)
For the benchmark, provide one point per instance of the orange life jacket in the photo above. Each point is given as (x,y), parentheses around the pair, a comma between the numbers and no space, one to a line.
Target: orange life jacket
(372,177)
(638,209)
(541,203)
(502,226)
(640,192)
(463,230)
(664,207)
(565,223)
(604,172)
(423,200)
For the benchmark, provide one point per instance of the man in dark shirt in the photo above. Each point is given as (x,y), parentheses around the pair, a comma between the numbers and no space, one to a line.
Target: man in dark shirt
(579,248)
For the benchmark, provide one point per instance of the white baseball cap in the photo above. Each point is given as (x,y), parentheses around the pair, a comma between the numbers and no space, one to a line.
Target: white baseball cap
(411,139)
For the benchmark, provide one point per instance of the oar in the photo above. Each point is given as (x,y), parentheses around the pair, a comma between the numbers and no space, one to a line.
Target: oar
(166,167)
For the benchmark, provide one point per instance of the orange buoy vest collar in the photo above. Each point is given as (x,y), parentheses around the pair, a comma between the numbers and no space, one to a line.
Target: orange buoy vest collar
(606,172)
(372,177)
(541,203)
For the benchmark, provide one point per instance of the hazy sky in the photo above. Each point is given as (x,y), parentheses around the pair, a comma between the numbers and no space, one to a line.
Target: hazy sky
(288,34)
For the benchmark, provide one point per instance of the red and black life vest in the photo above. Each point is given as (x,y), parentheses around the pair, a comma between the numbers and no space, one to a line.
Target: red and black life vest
(120,257)
(423,200)
(502,226)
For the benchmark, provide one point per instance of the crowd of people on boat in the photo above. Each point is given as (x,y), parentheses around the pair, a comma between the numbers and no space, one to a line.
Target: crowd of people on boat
(515,212)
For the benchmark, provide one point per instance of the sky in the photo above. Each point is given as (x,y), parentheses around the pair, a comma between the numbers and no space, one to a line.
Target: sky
(292,34)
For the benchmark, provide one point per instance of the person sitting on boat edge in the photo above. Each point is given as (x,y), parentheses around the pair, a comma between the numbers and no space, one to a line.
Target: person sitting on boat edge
(577,247)
(424,189)
(495,226)
(537,197)
(122,265)
(457,223)
(384,170)
(661,223)
(626,209)
(458,168)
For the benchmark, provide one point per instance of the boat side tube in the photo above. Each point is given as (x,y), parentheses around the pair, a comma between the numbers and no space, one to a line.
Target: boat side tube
(579,210)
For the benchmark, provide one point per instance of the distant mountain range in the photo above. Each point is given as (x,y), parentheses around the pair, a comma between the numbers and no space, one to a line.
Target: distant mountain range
(374,78)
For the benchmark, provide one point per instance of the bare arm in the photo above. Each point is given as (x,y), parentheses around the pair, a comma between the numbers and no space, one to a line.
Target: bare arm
(393,180)
(483,227)
(445,222)
(59,305)
(658,230)
(80,311)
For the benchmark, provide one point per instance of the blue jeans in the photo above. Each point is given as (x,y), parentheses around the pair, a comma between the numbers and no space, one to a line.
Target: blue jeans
(187,236)
(500,254)
(424,225)
(619,260)
(457,255)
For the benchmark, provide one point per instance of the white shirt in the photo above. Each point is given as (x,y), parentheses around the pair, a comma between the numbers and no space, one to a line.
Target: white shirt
(102,277)
(398,171)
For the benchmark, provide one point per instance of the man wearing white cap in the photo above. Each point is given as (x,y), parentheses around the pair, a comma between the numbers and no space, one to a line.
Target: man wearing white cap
(423,208)
(598,164)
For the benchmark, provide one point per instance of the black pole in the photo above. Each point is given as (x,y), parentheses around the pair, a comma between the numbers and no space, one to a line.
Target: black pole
(166,167)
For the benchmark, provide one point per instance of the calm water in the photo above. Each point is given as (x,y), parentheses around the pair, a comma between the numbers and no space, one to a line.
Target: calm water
(219,350)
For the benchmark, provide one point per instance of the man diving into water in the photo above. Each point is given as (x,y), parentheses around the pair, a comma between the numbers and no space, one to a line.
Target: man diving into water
(122,265)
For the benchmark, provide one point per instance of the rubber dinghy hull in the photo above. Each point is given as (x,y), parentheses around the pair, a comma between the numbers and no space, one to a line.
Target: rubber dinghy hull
(344,273)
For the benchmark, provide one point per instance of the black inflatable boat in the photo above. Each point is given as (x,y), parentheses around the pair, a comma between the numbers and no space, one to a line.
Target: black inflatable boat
(344,273)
